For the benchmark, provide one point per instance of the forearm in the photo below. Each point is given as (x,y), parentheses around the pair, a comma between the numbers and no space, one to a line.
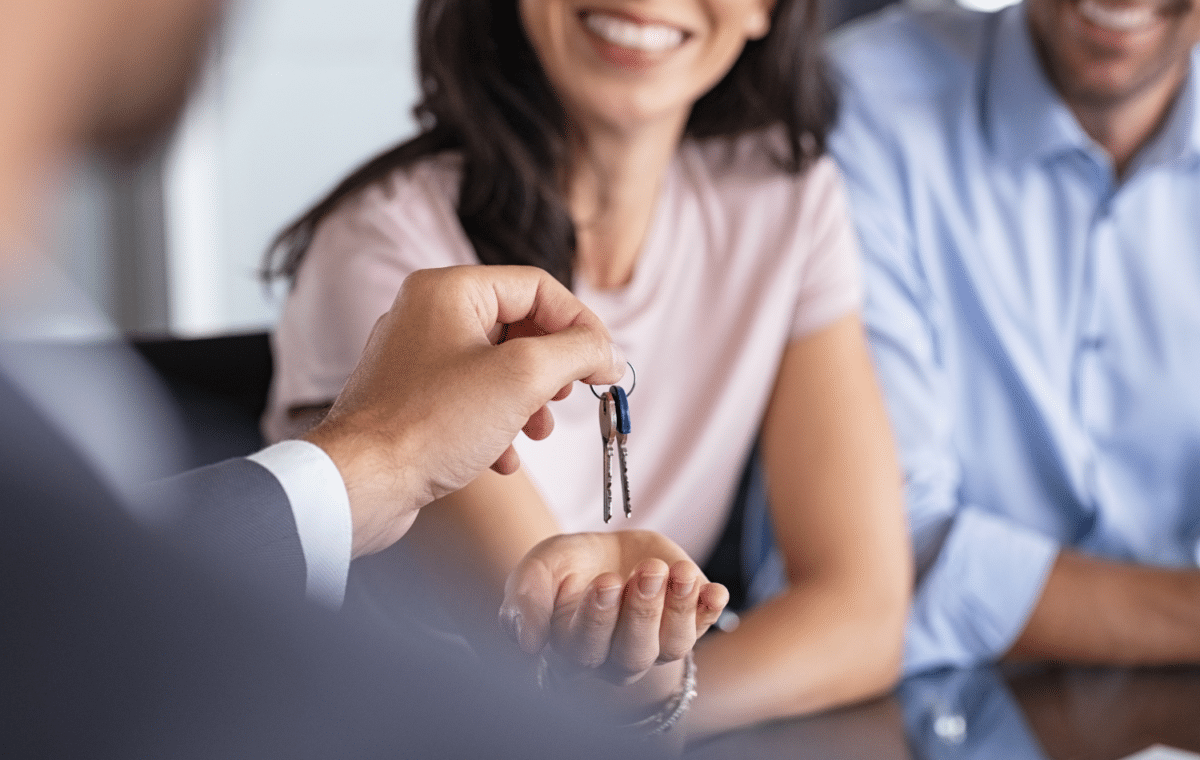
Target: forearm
(836,634)
(1097,611)
(811,648)
(468,542)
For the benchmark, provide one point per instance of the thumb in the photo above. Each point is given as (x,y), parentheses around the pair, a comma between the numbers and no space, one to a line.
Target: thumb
(550,362)
(528,606)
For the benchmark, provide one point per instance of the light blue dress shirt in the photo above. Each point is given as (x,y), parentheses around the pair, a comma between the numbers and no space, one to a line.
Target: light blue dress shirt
(1035,322)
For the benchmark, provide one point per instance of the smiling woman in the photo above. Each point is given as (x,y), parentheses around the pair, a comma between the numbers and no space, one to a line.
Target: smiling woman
(628,65)
(665,159)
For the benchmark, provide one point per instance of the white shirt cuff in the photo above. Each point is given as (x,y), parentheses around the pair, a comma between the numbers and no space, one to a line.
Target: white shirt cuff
(321,508)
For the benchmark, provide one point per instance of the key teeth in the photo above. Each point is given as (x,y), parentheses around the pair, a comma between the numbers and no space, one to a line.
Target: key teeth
(607,513)
(624,480)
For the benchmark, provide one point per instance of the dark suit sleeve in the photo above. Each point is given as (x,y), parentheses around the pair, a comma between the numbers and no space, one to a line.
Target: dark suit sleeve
(238,514)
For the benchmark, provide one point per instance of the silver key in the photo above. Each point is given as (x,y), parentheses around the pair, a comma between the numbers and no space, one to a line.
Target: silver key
(608,434)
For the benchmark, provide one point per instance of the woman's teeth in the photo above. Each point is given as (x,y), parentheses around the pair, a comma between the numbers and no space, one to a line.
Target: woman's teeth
(648,38)
(1118,18)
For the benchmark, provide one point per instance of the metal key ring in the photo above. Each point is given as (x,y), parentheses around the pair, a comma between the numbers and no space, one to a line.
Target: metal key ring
(631,387)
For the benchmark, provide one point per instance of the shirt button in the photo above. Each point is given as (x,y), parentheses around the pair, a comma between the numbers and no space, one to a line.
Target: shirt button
(951,728)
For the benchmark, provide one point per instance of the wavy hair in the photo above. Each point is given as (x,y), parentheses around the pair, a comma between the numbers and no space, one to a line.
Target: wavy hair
(484,95)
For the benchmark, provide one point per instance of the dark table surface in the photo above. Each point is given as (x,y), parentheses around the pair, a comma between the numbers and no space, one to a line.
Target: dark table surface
(1009,713)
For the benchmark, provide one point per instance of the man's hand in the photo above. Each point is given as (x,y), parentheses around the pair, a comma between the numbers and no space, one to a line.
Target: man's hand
(434,402)
(615,603)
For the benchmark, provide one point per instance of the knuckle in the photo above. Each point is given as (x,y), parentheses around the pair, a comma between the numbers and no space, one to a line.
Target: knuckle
(681,605)
(643,612)
(591,660)
(674,650)
(594,635)
(653,566)
(596,620)
(425,280)
(597,346)
(635,663)
(527,360)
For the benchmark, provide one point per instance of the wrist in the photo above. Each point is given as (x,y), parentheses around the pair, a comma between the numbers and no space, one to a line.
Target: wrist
(672,710)
(384,490)
(652,705)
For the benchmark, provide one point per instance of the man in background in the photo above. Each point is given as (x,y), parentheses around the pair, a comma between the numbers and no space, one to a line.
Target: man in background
(1026,186)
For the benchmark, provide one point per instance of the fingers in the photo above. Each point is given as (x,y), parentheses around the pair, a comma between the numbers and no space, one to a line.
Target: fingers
(540,425)
(677,634)
(597,620)
(710,603)
(508,463)
(635,642)
(589,633)
(564,392)
(528,293)
(543,365)
(469,301)
(531,296)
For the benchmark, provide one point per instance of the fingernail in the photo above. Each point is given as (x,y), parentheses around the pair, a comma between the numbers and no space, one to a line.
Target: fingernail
(607,597)
(650,585)
(682,589)
(618,357)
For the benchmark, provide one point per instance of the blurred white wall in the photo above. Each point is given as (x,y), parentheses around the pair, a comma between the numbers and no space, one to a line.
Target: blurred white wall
(299,92)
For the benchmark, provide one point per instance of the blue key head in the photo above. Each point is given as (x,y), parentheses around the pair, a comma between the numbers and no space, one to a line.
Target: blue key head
(622,402)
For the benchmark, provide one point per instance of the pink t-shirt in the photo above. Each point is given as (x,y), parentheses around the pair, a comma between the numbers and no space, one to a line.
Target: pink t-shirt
(740,258)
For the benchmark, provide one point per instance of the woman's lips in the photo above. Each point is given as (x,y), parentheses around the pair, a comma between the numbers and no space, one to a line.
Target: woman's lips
(633,35)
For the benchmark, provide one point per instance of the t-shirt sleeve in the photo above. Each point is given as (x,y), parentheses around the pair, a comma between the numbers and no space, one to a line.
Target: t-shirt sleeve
(359,257)
(831,278)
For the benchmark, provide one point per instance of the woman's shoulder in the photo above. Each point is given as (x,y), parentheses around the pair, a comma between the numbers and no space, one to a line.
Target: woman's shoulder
(411,209)
(429,183)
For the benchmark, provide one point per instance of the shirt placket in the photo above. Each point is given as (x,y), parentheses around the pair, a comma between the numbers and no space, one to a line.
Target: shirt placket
(1116,531)
(1091,384)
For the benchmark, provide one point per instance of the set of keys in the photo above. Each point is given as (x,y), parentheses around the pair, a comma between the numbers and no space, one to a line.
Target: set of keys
(614,431)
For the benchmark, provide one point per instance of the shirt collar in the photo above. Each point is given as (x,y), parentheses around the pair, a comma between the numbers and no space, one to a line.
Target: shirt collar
(1023,114)
(1027,120)
(1179,138)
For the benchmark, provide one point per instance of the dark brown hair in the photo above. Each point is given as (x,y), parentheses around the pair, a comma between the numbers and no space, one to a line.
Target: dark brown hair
(485,96)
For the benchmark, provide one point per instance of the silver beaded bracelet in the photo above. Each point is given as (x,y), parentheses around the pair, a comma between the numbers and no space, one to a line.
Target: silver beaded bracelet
(662,721)
(658,723)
